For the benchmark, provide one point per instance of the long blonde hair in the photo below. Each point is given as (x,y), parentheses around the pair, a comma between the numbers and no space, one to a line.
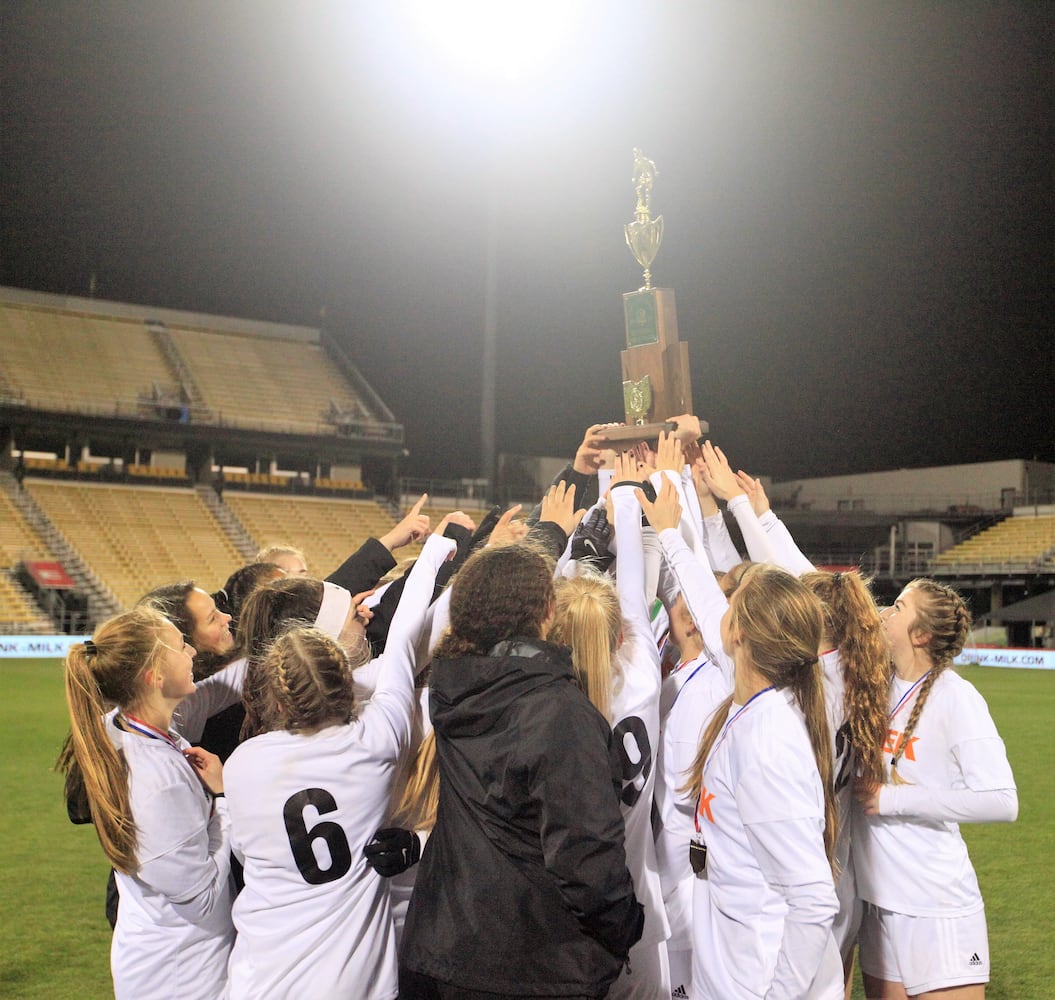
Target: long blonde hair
(780,623)
(421,796)
(587,618)
(101,675)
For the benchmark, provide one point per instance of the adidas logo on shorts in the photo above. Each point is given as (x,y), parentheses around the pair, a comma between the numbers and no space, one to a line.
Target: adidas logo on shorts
(975,960)
(679,993)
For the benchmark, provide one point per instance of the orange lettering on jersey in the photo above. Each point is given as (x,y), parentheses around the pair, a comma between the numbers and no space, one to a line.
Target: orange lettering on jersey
(894,739)
(705,804)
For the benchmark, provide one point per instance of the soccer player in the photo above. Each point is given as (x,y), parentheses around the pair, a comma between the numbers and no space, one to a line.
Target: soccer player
(305,797)
(765,814)
(157,805)
(923,932)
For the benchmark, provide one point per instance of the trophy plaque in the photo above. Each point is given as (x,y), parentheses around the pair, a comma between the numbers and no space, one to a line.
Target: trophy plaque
(656,382)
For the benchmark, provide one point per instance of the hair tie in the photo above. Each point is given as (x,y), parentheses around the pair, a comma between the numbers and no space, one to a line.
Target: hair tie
(90,649)
(836,576)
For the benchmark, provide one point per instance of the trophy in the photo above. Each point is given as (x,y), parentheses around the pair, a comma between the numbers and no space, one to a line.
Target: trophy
(655,363)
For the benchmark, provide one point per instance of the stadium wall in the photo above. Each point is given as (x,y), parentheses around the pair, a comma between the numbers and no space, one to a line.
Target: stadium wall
(982,485)
(55,646)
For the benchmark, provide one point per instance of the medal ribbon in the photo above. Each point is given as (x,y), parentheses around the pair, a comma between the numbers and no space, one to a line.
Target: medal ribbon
(905,696)
(152,732)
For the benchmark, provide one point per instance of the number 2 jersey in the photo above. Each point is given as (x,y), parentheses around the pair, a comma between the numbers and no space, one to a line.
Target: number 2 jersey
(314,918)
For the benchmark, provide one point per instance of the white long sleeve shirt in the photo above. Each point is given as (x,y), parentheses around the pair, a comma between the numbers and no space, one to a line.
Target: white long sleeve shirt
(911,858)
(764,912)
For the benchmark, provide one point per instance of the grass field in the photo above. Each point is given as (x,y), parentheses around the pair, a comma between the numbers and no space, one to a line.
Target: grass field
(56,940)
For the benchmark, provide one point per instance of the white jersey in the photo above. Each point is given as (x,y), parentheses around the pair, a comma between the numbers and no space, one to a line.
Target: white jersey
(763,915)
(635,716)
(314,918)
(694,691)
(912,859)
(174,931)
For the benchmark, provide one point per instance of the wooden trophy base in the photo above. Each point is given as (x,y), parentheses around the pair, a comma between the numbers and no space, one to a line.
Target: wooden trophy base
(632,433)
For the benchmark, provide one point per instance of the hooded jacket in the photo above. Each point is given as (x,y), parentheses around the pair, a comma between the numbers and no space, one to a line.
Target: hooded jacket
(523,888)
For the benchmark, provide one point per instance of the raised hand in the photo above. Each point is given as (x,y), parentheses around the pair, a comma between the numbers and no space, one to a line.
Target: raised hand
(669,454)
(413,528)
(708,505)
(627,468)
(587,457)
(507,531)
(646,459)
(558,506)
(688,428)
(458,517)
(665,512)
(718,475)
(755,491)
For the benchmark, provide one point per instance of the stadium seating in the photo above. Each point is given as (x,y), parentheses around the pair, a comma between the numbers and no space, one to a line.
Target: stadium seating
(18,541)
(1016,540)
(74,362)
(136,538)
(284,385)
(326,530)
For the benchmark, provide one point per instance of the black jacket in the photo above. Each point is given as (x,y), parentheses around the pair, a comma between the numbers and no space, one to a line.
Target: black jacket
(523,888)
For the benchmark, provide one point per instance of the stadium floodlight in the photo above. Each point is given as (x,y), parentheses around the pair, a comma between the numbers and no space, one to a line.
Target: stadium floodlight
(498,40)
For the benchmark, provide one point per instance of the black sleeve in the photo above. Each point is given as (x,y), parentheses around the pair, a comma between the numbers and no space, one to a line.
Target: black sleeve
(385,609)
(586,490)
(549,536)
(364,567)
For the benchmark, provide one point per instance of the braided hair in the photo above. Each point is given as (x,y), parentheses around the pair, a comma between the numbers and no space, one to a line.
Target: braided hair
(941,615)
(304,683)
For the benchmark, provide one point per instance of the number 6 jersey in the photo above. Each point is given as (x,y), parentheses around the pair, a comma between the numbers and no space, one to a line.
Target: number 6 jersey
(314,918)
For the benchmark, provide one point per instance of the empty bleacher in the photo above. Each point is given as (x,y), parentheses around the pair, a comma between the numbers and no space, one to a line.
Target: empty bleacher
(18,542)
(255,381)
(66,361)
(136,538)
(326,530)
(1015,541)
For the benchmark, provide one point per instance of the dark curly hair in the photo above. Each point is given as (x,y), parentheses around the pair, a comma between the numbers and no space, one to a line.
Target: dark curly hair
(500,593)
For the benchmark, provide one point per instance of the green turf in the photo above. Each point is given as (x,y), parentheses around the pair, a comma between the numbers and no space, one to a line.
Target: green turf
(51,897)
(56,939)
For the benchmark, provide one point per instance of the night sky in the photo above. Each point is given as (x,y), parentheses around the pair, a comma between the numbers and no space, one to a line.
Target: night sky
(857,201)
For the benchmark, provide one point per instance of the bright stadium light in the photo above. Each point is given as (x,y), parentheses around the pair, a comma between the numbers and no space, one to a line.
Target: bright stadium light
(498,39)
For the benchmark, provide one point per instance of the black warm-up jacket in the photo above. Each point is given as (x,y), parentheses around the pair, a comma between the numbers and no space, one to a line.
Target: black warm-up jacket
(523,888)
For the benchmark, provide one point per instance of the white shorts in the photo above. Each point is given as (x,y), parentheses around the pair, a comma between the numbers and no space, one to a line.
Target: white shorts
(924,953)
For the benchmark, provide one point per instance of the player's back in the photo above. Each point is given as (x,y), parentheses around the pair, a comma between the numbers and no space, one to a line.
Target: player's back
(313,916)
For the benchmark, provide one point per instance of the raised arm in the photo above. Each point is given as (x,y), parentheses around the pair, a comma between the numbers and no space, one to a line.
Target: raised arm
(211,695)
(787,553)
(394,687)
(722,482)
(630,561)
(704,598)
